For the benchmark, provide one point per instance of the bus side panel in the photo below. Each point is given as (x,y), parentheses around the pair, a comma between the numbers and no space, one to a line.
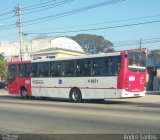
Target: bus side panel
(100,87)
(90,87)
(111,91)
(14,87)
(24,83)
(55,87)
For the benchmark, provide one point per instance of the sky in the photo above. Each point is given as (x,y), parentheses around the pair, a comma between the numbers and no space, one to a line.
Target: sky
(125,23)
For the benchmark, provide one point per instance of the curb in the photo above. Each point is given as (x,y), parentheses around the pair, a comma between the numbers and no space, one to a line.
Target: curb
(153,92)
(3,91)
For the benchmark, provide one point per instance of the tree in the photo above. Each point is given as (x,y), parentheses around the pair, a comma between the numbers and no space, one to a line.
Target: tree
(93,44)
(3,67)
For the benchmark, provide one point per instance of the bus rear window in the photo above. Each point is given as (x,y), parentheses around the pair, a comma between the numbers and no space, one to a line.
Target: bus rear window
(136,61)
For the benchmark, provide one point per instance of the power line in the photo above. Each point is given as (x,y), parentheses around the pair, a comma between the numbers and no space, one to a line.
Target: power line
(135,42)
(103,28)
(7,18)
(50,6)
(67,13)
(9,26)
(100,23)
(7,13)
(35,5)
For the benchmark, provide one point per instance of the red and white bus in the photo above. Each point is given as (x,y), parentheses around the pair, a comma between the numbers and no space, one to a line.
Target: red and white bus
(113,75)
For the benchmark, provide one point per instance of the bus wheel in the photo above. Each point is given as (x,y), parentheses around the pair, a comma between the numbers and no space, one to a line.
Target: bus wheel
(24,93)
(75,95)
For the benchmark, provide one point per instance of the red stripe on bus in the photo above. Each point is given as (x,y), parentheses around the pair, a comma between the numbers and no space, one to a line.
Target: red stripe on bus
(71,87)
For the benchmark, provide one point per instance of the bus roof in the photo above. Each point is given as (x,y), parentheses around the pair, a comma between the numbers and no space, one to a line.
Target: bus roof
(19,62)
(43,59)
(76,57)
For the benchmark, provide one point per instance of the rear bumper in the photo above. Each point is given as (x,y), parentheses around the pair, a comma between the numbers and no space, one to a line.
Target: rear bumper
(125,94)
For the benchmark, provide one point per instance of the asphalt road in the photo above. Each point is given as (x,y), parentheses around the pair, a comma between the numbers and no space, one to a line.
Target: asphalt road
(37,116)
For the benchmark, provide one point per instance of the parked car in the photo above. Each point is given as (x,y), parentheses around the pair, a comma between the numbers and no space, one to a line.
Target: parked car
(3,85)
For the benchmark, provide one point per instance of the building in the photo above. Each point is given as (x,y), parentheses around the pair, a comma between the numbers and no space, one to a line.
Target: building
(50,47)
(59,47)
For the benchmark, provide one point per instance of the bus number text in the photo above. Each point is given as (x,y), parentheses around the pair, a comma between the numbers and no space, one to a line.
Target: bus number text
(92,81)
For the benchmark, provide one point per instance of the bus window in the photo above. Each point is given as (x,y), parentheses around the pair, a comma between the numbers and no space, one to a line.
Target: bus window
(114,65)
(43,69)
(99,67)
(46,70)
(68,68)
(33,70)
(11,73)
(136,61)
(106,73)
(55,69)
(22,70)
(83,67)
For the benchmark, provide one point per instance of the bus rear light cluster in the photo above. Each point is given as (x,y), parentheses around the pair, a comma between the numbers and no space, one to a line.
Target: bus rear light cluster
(128,85)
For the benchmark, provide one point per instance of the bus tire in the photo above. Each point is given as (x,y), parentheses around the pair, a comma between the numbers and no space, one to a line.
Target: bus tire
(24,93)
(75,95)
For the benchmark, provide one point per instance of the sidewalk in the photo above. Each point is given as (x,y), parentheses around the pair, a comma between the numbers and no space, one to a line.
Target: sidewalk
(149,98)
(153,92)
(3,92)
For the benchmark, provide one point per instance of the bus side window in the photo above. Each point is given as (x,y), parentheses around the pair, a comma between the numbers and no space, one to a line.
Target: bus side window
(78,70)
(55,69)
(94,68)
(114,71)
(22,70)
(83,67)
(32,70)
(114,65)
(52,74)
(99,67)
(43,69)
(87,68)
(106,67)
(68,68)
(46,70)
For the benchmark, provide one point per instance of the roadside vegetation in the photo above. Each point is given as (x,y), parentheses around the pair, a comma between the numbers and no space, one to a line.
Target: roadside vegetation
(3,67)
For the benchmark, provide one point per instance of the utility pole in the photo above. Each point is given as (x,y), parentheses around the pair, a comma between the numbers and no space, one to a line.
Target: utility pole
(20,28)
(140,45)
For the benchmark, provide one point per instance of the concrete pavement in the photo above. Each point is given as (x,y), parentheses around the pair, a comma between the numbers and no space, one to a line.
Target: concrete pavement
(57,117)
(151,97)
